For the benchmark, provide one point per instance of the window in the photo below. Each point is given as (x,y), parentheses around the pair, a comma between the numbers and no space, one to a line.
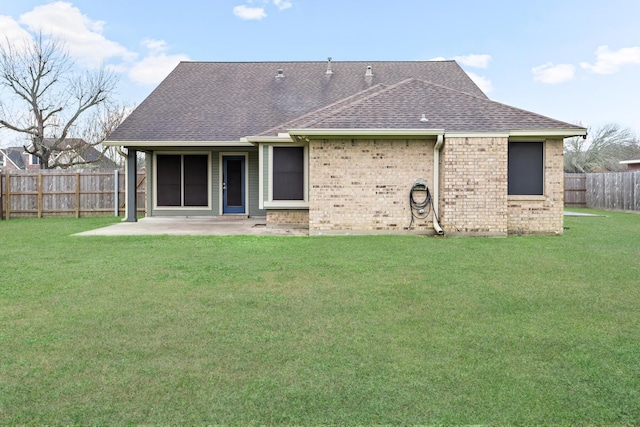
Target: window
(182,180)
(526,168)
(288,173)
(33,159)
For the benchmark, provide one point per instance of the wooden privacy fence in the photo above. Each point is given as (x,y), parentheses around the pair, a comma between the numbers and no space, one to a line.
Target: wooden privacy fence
(619,191)
(37,194)
(575,189)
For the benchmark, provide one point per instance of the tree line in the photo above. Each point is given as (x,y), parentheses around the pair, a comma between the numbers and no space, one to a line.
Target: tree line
(601,150)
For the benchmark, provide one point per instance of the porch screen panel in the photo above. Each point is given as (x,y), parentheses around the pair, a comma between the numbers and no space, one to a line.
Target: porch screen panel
(196,180)
(288,173)
(169,180)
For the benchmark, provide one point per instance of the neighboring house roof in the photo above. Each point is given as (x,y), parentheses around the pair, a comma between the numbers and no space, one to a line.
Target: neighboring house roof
(68,151)
(15,156)
(211,101)
(80,150)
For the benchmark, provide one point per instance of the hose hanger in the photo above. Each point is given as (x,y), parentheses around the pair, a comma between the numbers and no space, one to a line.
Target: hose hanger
(420,206)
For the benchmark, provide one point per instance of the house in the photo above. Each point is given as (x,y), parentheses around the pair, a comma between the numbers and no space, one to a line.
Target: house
(15,158)
(70,153)
(346,147)
(76,152)
(632,165)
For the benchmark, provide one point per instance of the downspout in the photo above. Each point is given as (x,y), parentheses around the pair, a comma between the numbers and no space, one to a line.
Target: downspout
(436,183)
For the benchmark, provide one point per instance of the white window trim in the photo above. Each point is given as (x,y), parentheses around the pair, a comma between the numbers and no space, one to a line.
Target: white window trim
(288,204)
(244,154)
(155,181)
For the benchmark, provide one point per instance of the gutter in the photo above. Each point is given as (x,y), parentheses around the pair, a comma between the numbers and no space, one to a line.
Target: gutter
(436,183)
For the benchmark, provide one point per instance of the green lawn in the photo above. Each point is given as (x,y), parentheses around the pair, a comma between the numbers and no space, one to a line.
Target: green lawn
(321,330)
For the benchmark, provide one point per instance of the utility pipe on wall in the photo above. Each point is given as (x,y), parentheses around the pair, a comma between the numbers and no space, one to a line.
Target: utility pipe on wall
(436,183)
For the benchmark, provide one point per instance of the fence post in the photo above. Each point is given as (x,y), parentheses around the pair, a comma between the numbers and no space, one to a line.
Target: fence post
(1,198)
(116,192)
(39,195)
(77,195)
(8,196)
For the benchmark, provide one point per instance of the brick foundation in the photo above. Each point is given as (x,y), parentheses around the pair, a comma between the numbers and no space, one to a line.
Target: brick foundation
(287,218)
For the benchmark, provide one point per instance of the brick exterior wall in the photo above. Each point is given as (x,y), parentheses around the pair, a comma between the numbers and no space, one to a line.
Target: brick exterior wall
(364,185)
(277,218)
(473,177)
(543,214)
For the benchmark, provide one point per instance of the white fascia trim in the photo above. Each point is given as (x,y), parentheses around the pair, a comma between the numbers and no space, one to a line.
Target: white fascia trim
(179,144)
(553,133)
(320,133)
(562,133)
(280,139)
(629,162)
(476,134)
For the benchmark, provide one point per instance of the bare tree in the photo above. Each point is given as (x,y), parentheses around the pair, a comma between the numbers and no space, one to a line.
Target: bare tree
(50,98)
(601,151)
(103,121)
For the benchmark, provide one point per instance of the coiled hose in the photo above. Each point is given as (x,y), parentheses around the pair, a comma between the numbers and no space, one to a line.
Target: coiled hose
(420,209)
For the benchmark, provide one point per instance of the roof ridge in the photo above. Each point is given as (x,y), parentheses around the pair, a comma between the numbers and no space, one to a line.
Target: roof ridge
(333,61)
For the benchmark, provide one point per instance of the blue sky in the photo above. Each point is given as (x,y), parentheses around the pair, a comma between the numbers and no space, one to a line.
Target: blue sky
(577,61)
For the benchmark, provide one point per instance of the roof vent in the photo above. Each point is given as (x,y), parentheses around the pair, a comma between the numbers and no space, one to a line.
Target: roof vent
(424,118)
(329,72)
(369,72)
(280,73)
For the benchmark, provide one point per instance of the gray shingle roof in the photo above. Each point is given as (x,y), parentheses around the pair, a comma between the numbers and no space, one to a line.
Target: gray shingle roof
(401,106)
(15,155)
(212,101)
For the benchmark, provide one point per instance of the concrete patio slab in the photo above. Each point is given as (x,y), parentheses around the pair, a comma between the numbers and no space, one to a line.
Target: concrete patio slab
(569,213)
(195,226)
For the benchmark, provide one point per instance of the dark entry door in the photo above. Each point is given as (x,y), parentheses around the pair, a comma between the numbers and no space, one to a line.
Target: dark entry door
(233,194)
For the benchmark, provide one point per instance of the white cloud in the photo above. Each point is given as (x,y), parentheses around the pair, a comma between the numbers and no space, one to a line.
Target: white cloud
(156,65)
(12,31)
(609,62)
(87,45)
(483,83)
(82,36)
(282,4)
(552,74)
(476,61)
(249,13)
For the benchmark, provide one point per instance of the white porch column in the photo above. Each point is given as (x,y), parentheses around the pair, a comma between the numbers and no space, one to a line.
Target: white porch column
(130,170)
